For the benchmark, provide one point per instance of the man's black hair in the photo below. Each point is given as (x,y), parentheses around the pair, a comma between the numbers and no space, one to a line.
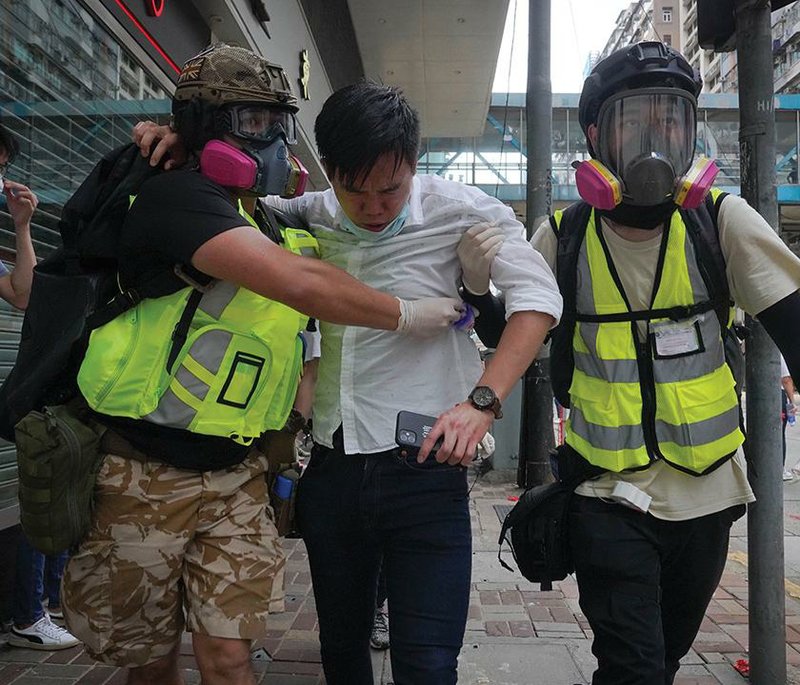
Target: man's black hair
(8,142)
(360,123)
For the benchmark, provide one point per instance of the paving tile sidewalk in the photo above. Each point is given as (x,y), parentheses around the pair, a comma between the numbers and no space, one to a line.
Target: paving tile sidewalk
(515,633)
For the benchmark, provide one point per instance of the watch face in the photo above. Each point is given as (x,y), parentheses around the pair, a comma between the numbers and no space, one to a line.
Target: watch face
(483,396)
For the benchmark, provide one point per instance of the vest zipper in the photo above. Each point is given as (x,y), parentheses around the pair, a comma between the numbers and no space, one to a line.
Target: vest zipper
(124,359)
(648,390)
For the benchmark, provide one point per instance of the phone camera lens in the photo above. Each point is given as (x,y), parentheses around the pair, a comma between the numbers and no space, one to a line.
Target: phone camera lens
(408,437)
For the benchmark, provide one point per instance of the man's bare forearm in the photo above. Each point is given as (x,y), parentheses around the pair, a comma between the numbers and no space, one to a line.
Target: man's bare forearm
(518,347)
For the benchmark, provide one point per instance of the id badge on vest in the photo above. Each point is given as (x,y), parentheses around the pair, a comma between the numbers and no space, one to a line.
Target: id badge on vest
(676,338)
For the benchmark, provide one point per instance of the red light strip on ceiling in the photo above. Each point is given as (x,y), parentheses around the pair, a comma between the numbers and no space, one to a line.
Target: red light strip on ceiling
(149,38)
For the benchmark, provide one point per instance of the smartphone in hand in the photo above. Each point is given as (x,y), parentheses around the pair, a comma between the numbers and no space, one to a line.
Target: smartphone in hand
(412,429)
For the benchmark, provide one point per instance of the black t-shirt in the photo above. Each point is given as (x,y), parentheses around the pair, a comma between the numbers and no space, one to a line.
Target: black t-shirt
(173,215)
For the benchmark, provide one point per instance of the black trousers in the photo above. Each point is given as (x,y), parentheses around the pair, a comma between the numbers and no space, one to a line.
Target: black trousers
(644,584)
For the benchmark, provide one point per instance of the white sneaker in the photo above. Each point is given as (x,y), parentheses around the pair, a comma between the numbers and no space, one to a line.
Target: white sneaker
(44,634)
(788,475)
(379,637)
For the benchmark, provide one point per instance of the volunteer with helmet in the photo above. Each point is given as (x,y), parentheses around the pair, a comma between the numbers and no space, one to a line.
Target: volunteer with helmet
(640,359)
(186,383)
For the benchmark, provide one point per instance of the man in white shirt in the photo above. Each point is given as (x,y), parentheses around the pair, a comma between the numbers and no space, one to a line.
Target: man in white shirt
(360,500)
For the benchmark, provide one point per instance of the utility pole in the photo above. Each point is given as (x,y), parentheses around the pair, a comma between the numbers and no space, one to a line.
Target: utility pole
(536,435)
(765,517)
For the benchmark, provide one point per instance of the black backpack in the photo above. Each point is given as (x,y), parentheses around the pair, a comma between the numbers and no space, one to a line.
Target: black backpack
(77,288)
(702,229)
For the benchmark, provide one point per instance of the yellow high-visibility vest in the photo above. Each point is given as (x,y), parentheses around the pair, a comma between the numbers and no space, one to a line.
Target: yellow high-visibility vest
(235,375)
(631,403)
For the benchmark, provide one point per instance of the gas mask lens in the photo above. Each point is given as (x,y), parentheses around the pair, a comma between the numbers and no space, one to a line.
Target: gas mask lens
(651,126)
(261,124)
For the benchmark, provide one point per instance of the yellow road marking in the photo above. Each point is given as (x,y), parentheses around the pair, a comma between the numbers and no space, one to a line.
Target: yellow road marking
(792,589)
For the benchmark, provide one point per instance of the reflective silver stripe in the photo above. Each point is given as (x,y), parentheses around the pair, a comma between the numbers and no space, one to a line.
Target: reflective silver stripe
(588,333)
(613,370)
(699,290)
(215,300)
(192,383)
(172,412)
(606,437)
(209,349)
(584,295)
(308,252)
(700,432)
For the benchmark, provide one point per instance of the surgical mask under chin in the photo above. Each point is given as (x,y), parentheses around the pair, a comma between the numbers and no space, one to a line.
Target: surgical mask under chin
(258,170)
(391,229)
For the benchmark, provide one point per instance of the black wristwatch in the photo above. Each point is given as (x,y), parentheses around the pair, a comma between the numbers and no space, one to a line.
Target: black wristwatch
(484,398)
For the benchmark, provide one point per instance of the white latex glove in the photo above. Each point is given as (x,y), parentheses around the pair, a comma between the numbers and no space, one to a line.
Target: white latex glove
(429,316)
(476,251)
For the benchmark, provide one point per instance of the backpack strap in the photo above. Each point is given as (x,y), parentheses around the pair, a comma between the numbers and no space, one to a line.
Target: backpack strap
(570,228)
(703,230)
(702,226)
(162,283)
(181,331)
(269,223)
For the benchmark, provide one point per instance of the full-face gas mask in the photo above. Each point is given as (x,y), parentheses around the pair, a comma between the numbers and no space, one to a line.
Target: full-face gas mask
(644,152)
(262,163)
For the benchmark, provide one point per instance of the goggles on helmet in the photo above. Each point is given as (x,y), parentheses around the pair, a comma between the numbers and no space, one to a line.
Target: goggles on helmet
(647,123)
(259,123)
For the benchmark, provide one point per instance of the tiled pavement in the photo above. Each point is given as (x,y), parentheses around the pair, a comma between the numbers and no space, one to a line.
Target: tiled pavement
(515,634)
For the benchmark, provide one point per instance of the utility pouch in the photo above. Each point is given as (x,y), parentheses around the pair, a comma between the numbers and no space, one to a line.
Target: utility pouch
(282,494)
(539,534)
(279,448)
(537,528)
(58,455)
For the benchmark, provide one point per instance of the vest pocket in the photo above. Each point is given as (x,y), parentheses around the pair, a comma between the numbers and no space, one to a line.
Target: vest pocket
(605,424)
(699,420)
(221,384)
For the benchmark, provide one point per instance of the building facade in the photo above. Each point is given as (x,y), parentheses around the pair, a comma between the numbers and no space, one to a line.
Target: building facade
(646,20)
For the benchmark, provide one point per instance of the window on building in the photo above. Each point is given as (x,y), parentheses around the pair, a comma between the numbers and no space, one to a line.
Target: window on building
(667,39)
(666,14)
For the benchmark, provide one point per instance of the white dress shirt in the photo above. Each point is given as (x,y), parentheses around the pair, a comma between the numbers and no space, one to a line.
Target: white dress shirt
(366,376)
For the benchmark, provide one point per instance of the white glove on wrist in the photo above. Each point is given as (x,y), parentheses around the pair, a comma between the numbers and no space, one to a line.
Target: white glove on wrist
(429,316)
(476,251)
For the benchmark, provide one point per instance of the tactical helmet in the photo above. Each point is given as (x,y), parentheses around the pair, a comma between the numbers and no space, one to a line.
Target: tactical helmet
(225,74)
(641,65)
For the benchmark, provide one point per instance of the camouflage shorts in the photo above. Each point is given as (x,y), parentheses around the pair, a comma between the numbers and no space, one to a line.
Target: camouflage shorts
(167,543)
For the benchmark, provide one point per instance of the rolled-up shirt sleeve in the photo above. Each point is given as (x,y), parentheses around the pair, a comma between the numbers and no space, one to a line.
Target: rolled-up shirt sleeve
(518,270)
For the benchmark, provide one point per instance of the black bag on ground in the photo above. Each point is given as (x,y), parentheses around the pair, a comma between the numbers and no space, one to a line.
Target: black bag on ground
(77,288)
(539,534)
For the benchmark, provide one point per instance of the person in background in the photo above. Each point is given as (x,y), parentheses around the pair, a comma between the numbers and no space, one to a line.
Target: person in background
(788,412)
(35,575)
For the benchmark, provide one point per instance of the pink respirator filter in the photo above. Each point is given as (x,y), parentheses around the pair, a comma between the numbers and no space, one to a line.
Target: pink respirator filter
(694,186)
(227,165)
(596,185)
